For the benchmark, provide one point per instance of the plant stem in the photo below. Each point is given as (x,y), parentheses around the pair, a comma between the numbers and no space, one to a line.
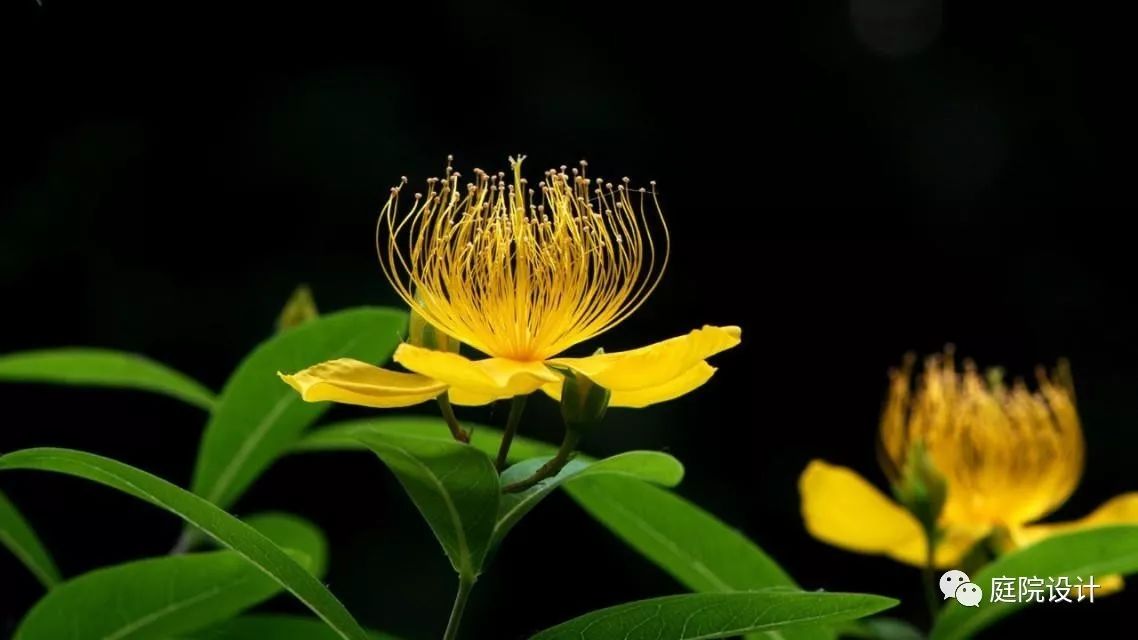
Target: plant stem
(456,430)
(517,406)
(928,575)
(465,585)
(186,542)
(551,468)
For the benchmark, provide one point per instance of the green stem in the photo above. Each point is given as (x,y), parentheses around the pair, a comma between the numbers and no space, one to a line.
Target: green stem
(551,468)
(456,430)
(928,575)
(517,406)
(465,585)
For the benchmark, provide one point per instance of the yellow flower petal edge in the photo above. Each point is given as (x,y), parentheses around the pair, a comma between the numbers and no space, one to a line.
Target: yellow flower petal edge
(842,508)
(656,364)
(686,382)
(468,398)
(492,377)
(359,383)
(1121,509)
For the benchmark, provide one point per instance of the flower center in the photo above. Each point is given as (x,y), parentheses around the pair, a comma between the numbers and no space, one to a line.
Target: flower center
(519,273)
(1009,455)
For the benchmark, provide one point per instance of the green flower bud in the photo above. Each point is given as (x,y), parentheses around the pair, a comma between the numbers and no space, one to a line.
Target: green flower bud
(583,402)
(921,488)
(300,308)
(424,334)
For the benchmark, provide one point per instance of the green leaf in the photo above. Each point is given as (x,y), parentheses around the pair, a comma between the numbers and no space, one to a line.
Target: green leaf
(650,466)
(292,532)
(455,488)
(300,308)
(701,616)
(17,535)
(273,627)
(343,436)
(172,595)
(102,368)
(700,551)
(1093,552)
(254,547)
(881,628)
(258,417)
(151,598)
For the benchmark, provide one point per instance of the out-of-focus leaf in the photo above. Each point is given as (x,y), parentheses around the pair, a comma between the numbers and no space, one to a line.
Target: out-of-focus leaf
(1092,552)
(80,366)
(21,540)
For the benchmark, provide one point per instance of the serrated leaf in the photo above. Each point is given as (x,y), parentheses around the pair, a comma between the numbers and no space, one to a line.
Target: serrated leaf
(258,417)
(454,487)
(1093,552)
(649,466)
(17,535)
(80,366)
(703,616)
(251,545)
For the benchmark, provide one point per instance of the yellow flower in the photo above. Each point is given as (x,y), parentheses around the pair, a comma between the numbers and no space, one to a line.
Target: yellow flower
(1008,457)
(521,275)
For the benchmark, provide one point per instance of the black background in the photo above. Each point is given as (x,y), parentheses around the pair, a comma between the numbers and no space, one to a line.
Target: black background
(847,181)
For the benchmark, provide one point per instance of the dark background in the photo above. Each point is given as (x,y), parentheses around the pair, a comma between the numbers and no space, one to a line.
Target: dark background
(847,181)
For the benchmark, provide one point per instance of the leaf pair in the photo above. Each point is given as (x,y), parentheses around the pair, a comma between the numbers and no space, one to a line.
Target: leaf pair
(700,551)
(459,493)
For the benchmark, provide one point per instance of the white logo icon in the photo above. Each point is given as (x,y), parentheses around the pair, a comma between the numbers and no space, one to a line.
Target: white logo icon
(969,595)
(956,584)
(951,580)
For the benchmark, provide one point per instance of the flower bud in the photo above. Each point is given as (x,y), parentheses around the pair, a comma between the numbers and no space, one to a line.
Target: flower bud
(583,402)
(299,309)
(921,488)
(424,334)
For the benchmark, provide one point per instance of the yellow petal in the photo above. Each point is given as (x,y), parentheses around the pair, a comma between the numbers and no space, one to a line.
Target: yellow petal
(354,382)
(1121,509)
(468,398)
(691,379)
(492,377)
(655,365)
(843,509)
